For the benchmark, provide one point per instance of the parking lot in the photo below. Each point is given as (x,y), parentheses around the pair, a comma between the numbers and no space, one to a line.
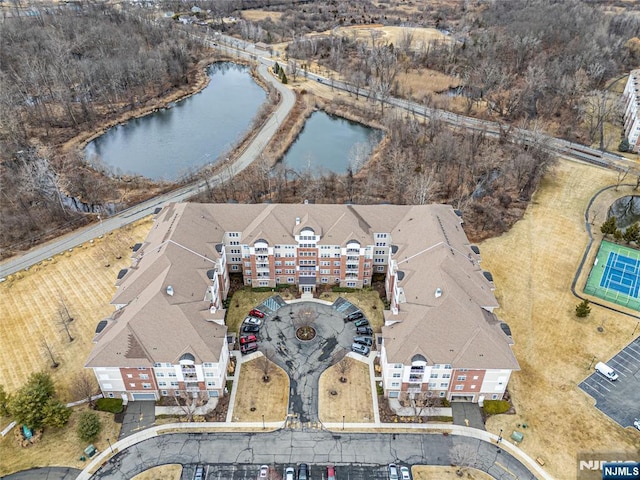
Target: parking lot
(318,472)
(620,400)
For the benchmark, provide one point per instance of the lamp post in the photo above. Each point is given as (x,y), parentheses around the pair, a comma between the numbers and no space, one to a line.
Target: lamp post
(110,447)
(264,427)
(342,422)
(499,440)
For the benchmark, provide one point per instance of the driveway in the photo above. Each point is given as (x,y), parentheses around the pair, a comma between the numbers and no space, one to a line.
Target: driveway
(467,414)
(138,416)
(620,400)
(304,361)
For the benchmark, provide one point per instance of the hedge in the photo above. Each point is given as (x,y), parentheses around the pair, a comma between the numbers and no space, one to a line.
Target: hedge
(495,407)
(113,405)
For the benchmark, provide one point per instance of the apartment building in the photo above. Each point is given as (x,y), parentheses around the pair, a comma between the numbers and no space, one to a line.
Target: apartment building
(167,335)
(631,96)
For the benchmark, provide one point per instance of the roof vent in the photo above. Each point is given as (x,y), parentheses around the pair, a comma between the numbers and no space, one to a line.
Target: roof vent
(438,292)
(170,291)
(297,220)
(306,202)
(212,309)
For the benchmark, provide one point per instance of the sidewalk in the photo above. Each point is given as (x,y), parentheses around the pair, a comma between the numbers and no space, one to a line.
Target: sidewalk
(203,410)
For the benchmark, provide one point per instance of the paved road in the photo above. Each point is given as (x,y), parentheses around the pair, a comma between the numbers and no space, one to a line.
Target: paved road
(45,473)
(315,447)
(304,361)
(251,152)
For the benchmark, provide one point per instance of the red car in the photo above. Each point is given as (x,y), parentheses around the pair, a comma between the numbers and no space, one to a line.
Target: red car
(256,313)
(248,339)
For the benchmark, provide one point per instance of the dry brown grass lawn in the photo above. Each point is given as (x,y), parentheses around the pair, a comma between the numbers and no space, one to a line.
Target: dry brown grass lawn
(533,266)
(241,304)
(58,447)
(422,472)
(395,35)
(163,472)
(352,398)
(30,308)
(259,15)
(270,399)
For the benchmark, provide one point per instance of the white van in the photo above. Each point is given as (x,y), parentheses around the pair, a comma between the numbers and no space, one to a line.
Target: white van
(606,370)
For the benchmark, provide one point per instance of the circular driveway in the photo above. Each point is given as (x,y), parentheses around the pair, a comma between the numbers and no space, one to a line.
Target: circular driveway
(304,361)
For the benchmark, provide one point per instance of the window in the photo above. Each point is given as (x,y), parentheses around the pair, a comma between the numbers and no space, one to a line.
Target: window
(442,394)
(110,395)
(379,269)
(162,384)
(446,375)
(278,271)
(473,387)
(146,386)
(494,397)
(324,280)
(278,263)
(157,365)
(207,365)
(129,375)
(462,378)
(263,283)
(174,384)
(447,367)
(444,385)
(172,374)
(459,387)
(233,234)
(432,385)
(144,376)
(433,375)
(247,272)
(247,264)
(325,272)
(142,368)
(475,377)
(378,260)
(132,385)
(395,384)
(160,374)
(234,242)
(164,393)
(397,375)
(290,280)
(234,267)
(397,365)
(351,284)
(394,394)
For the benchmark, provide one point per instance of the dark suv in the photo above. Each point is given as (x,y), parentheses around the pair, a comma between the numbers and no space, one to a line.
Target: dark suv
(248,347)
(303,471)
(367,341)
(354,316)
(364,331)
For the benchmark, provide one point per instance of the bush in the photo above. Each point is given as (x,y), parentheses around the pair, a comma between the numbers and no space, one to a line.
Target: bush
(495,407)
(446,403)
(113,405)
(343,290)
(89,426)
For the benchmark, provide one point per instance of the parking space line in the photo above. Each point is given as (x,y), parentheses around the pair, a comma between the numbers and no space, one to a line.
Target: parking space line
(635,354)
(637,359)
(594,388)
(621,365)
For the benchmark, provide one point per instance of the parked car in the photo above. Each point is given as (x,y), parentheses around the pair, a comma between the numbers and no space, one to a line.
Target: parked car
(361,349)
(367,341)
(199,475)
(636,423)
(366,331)
(250,329)
(290,473)
(256,313)
(354,316)
(362,323)
(331,472)
(606,371)
(264,471)
(303,471)
(252,321)
(393,471)
(248,347)
(406,474)
(248,339)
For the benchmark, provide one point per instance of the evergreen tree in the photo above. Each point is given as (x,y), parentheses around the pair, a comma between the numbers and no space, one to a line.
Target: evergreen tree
(609,226)
(89,426)
(624,145)
(4,402)
(632,233)
(583,309)
(276,68)
(27,406)
(283,77)
(56,413)
(617,235)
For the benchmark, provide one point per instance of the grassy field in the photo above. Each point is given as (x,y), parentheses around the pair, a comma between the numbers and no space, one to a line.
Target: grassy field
(163,472)
(242,303)
(352,398)
(58,447)
(533,266)
(423,472)
(270,399)
(367,301)
(30,302)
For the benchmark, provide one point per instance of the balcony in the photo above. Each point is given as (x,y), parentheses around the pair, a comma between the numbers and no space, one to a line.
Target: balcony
(262,251)
(187,370)
(192,389)
(414,390)
(353,251)
(417,369)
(353,258)
(262,258)
(415,378)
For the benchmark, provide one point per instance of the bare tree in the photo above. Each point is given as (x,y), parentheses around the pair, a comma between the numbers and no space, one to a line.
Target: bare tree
(47,348)
(463,456)
(187,402)
(265,365)
(622,174)
(419,402)
(83,385)
(65,320)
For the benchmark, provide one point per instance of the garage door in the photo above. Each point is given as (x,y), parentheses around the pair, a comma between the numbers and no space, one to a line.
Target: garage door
(144,396)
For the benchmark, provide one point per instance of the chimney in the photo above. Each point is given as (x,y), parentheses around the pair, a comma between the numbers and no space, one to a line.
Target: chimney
(297,220)
(438,292)
(170,291)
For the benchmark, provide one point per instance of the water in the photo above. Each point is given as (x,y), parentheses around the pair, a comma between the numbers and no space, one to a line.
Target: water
(171,143)
(330,143)
(626,210)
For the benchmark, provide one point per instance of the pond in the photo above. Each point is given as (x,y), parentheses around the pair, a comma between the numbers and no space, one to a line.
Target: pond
(331,143)
(626,210)
(194,132)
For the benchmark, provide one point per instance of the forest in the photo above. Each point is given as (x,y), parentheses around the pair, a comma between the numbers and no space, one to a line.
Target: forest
(543,64)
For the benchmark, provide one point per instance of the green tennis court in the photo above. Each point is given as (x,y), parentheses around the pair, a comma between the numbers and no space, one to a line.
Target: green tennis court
(615,275)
